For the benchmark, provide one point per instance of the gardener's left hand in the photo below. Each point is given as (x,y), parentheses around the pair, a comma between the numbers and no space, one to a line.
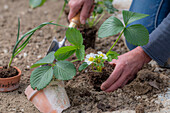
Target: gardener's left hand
(86,7)
(127,65)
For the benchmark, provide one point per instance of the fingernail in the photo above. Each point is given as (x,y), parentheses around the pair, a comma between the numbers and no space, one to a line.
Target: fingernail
(103,88)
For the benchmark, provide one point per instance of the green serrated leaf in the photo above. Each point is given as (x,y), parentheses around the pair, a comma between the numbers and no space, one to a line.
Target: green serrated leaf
(84,65)
(46,60)
(64,70)
(129,17)
(112,55)
(74,37)
(64,52)
(80,52)
(36,3)
(137,35)
(110,27)
(41,77)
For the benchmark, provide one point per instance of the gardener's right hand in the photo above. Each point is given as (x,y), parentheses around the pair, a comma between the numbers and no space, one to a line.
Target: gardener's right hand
(86,7)
(127,65)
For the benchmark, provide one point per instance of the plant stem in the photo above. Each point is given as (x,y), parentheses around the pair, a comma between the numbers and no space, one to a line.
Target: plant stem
(99,19)
(117,40)
(92,66)
(10,61)
(75,60)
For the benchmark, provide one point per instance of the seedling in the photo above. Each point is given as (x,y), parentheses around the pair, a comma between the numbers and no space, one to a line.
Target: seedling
(54,65)
(136,34)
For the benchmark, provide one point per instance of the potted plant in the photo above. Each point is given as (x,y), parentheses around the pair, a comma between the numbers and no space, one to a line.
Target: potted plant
(10,75)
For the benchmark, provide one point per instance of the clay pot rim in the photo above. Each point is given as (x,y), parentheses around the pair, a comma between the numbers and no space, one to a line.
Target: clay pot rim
(19,74)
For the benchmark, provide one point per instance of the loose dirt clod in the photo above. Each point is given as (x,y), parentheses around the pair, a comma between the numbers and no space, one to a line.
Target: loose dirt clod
(140,109)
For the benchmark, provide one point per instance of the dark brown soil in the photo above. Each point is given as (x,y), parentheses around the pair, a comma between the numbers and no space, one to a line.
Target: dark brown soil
(86,96)
(89,36)
(89,33)
(97,78)
(6,73)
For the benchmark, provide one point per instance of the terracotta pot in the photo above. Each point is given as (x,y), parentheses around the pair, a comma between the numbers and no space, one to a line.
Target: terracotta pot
(11,83)
(52,99)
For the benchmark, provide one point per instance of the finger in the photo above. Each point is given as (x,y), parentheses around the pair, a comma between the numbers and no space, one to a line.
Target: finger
(124,83)
(128,77)
(131,79)
(113,62)
(117,84)
(85,12)
(91,10)
(112,78)
(74,9)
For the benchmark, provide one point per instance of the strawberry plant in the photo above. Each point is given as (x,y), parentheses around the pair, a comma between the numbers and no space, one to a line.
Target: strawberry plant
(135,34)
(54,65)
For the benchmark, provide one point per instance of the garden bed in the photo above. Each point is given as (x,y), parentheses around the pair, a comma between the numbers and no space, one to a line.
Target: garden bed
(83,96)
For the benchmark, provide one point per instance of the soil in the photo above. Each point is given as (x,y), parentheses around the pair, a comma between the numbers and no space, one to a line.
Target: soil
(97,78)
(86,96)
(6,73)
(89,36)
(143,90)
(88,33)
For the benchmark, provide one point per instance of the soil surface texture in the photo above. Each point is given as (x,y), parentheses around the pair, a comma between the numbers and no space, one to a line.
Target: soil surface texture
(6,73)
(84,95)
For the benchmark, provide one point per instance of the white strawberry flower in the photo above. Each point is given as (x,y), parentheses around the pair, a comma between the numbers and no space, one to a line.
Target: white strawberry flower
(102,55)
(90,58)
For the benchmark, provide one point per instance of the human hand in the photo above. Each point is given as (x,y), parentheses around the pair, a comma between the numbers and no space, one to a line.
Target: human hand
(86,7)
(127,65)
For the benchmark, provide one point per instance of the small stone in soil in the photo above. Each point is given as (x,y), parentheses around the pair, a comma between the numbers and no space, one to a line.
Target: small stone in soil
(6,7)
(5,51)
(39,56)
(25,55)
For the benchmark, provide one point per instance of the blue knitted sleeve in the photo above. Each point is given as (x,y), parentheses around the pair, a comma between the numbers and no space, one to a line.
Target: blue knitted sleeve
(158,47)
